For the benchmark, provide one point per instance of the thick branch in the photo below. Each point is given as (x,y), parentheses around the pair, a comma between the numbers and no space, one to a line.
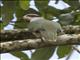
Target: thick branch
(70,29)
(37,43)
(18,34)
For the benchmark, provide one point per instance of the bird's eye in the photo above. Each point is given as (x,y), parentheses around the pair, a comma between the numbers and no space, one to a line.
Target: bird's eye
(58,31)
(38,31)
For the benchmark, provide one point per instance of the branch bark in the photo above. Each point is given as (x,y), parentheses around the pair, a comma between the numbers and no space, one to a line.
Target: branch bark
(70,29)
(37,43)
(19,34)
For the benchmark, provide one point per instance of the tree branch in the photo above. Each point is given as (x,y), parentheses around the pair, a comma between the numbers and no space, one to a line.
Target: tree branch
(70,29)
(19,34)
(37,43)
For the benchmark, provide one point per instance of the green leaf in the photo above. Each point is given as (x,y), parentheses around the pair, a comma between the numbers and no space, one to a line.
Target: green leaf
(43,53)
(20,55)
(66,10)
(19,14)
(73,3)
(62,51)
(24,4)
(0,11)
(77,18)
(7,12)
(19,11)
(20,24)
(53,11)
(45,10)
(66,19)
(42,5)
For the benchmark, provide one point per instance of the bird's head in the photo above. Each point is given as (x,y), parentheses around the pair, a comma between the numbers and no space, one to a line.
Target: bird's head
(30,17)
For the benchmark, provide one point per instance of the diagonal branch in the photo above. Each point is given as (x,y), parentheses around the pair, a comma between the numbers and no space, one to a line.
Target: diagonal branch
(37,43)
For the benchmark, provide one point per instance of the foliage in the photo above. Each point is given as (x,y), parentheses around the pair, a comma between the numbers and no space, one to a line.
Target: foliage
(20,55)
(43,53)
(20,8)
(7,12)
(63,51)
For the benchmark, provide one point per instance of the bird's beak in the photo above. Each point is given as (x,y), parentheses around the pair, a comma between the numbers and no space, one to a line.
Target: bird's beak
(29,17)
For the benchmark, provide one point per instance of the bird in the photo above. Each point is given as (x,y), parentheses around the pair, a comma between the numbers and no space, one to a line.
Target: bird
(43,28)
